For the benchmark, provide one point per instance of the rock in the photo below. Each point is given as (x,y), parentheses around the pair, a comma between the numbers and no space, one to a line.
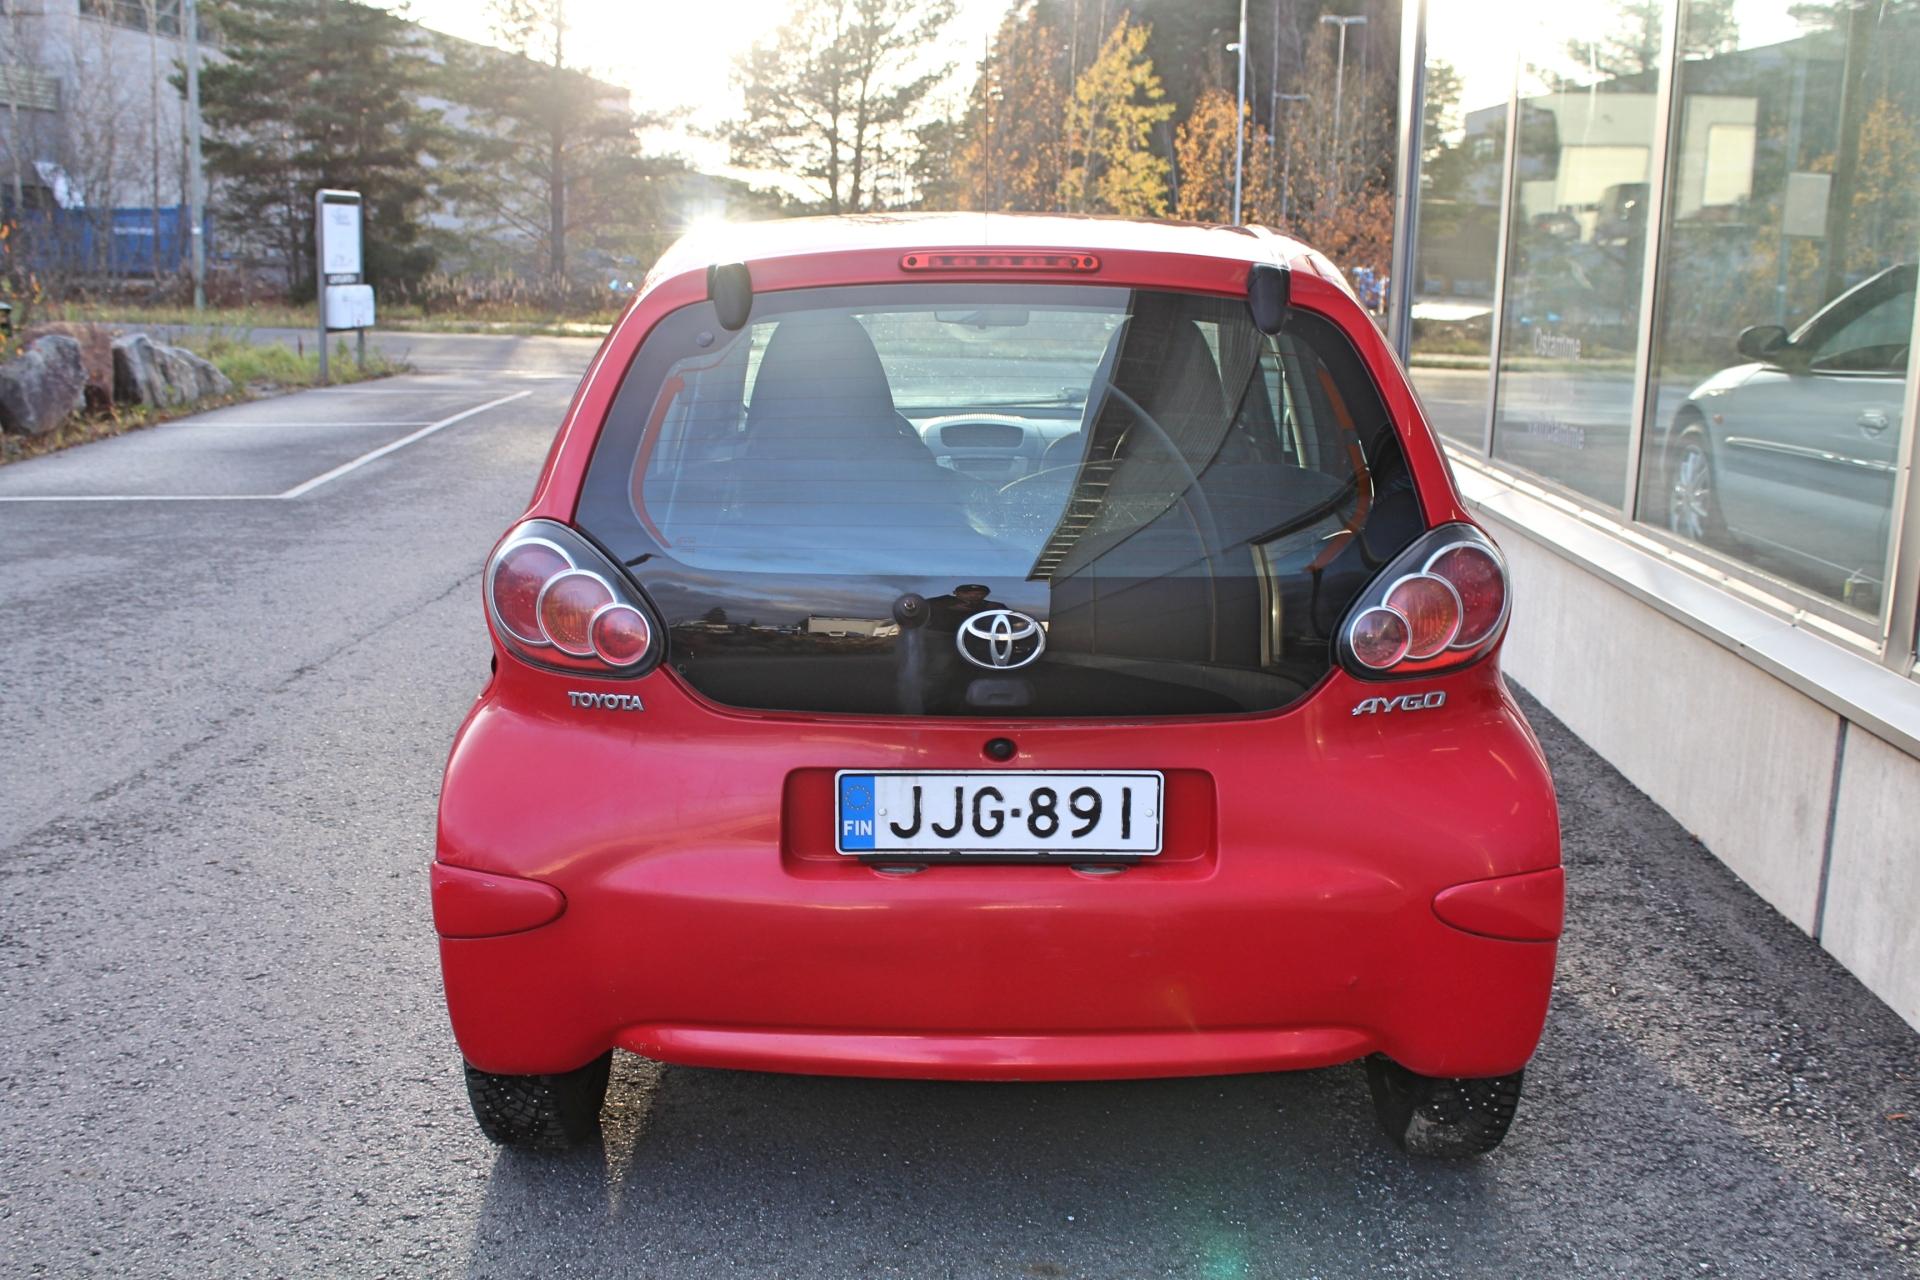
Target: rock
(43,386)
(152,373)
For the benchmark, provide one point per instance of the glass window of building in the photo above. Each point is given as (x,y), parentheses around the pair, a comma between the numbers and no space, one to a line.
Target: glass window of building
(1786,300)
(1463,145)
(1584,154)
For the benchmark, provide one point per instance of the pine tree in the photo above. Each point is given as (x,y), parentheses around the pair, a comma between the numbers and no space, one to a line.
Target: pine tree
(1632,47)
(1110,121)
(832,89)
(940,178)
(311,94)
(550,158)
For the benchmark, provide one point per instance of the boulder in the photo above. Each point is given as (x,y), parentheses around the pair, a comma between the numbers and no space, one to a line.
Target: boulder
(43,386)
(152,373)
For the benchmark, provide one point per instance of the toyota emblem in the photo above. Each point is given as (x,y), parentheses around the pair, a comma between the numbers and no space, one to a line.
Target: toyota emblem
(994,639)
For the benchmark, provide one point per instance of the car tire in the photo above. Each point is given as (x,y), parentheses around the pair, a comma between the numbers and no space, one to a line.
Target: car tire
(1693,501)
(1447,1119)
(540,1113)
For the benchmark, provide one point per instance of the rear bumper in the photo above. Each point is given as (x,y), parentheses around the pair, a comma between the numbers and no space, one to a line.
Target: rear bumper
(704,924)
(1085,1056)
(998,973)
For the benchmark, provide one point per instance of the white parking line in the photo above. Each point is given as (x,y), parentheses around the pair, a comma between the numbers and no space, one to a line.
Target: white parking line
(283,423)
(299,490)
(401,443)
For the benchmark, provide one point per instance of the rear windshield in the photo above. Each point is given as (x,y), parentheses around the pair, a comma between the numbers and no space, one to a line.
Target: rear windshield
(1169,494)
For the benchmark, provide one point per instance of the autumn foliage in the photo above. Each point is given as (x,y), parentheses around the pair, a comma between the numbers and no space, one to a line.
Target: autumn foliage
(1039,139)
(1204,148)
(1073,117)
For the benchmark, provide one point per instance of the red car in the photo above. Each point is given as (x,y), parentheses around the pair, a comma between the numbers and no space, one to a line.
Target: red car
(997,648)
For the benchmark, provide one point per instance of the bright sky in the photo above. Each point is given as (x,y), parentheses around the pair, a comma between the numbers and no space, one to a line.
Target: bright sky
(679,53)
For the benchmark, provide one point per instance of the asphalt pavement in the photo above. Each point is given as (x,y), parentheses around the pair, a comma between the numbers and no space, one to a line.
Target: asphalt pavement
(233,651)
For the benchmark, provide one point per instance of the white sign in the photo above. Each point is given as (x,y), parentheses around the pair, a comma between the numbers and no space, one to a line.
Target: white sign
(1804,211)
(349,306)
(340,239)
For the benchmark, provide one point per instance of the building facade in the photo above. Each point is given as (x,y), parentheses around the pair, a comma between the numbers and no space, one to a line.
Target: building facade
(92,134)
(1658,295)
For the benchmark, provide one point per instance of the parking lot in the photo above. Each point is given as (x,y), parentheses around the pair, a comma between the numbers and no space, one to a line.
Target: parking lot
(233,650)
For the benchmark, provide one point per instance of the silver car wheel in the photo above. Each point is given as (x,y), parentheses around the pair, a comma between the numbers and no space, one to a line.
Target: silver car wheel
(1690,501)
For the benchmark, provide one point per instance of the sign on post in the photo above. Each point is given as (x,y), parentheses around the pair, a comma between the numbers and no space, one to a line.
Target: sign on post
(340,233)
(345,300)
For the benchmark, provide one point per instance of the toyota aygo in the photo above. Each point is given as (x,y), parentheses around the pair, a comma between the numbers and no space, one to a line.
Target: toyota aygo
(983,647)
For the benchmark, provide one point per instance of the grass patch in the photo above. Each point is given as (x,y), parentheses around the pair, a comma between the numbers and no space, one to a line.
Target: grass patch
(255,371)
(269,367)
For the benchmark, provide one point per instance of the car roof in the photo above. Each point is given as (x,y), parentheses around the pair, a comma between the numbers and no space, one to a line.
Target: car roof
(789,237)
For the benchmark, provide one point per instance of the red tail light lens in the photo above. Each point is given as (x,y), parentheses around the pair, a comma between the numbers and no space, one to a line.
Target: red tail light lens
(518,574)
(1380,637)
(1441,604)
(567,604)
(620,634)
(1432,609)
(1476,575)
(557,602)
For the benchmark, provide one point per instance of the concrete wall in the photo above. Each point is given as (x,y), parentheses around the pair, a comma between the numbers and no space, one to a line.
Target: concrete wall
(1872,921)
(1819,816)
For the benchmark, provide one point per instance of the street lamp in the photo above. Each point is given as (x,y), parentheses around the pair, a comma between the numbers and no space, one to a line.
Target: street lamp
(1240,115)
(196,177)
(1339,81)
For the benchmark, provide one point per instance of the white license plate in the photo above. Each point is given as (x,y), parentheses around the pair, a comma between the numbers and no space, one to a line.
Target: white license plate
(1037,814)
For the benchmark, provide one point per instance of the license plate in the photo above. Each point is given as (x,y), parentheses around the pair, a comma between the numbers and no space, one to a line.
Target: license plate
(1002,814)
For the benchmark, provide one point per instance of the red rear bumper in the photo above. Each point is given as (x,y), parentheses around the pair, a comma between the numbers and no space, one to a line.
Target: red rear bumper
(1292,922)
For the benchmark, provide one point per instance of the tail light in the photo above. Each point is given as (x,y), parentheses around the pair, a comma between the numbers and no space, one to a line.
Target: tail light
(1441,604)
(1000,260)
(556,602)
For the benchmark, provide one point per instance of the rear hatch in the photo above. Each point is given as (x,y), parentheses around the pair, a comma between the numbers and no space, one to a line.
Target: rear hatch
(1049,501)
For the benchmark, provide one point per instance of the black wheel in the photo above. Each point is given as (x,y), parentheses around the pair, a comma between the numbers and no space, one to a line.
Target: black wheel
(1444,1118)
(1693,504)
(540,1113)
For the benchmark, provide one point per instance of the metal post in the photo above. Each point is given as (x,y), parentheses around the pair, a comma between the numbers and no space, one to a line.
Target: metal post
(1898,634)
(320,275)
(1795,112)
(1286,163)
(1645,384)
(196,190)
(1339,85)
(13,119)
(1406,202)
(1240,116)
(1339,99)
(1503,255)
(1273,106)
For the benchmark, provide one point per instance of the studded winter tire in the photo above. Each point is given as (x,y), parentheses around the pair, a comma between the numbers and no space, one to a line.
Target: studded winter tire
(540,1113)
(1449,1119)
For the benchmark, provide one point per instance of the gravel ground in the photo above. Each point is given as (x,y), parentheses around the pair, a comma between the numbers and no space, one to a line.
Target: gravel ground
(224,1051)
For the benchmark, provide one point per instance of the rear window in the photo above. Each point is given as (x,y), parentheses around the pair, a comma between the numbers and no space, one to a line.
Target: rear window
(1173,496)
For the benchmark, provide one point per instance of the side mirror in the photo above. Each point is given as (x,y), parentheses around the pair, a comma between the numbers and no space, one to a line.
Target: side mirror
(1761,341)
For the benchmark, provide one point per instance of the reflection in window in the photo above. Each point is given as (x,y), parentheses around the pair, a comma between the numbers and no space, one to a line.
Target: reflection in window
(1787,299)
(1463,153)
(1582,180)
(161,16)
